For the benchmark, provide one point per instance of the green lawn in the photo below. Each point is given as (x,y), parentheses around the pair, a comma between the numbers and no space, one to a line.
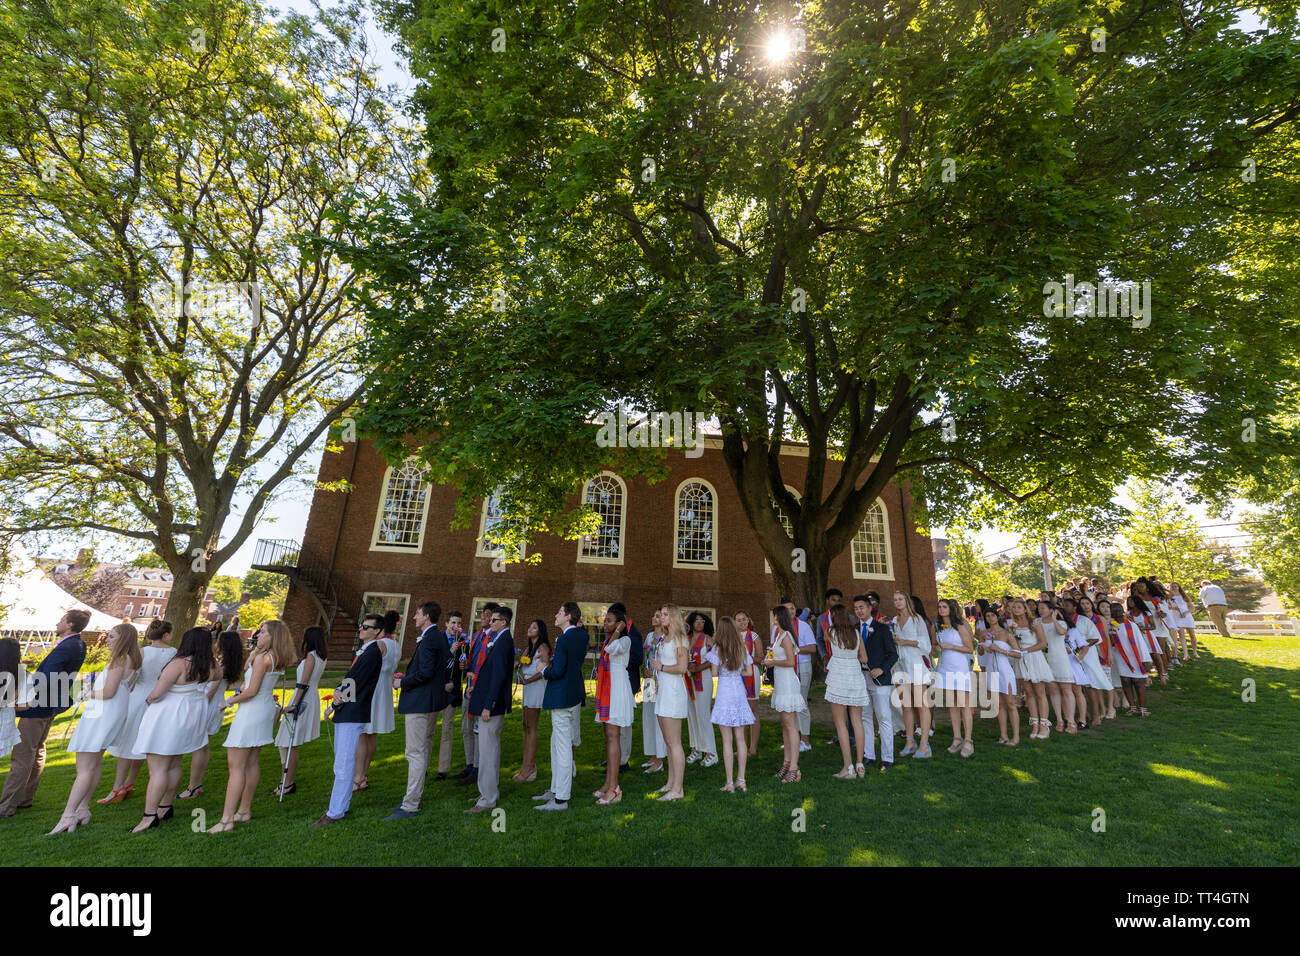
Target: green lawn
(1207,779)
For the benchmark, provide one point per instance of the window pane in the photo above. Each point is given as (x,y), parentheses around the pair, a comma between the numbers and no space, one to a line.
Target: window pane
(403,509)
(605,497)
(695,524)
(869,545)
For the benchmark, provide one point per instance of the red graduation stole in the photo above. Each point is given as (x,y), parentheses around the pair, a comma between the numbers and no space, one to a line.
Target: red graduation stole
(749,681)
(1103,649)
(697,657)
(477,655)
(1124,632)
(603,685)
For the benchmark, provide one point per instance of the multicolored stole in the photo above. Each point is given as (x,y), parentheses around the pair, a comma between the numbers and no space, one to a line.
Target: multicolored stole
(697,657)
(749,681)
(1103,649)
(477,655)
(1130,657)
(603,684)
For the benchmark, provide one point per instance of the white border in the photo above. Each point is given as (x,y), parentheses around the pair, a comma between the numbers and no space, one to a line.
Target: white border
(622,522)
(418,548)
(717,506)
(889,548)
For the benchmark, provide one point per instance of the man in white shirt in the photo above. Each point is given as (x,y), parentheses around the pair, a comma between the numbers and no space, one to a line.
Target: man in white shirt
(807,648)
(1216,605)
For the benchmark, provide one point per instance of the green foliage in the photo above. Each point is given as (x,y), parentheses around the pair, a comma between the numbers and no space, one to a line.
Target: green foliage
(260,609)
(549,277)
(1275,549)
(156,156)
(226,587)
(266,584)
(1163,539)
(1026,572)
(968,575)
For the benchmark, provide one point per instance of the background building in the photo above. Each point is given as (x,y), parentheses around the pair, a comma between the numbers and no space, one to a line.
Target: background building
(387,544)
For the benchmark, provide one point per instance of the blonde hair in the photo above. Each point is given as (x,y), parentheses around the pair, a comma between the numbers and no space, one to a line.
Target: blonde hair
(675,628)
(283,650)
(126,652)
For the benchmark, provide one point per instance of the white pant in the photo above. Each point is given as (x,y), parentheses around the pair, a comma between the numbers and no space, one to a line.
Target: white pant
(878,706)
(805,684)
(564,724)
(345,764)
(652,738)
(699,722)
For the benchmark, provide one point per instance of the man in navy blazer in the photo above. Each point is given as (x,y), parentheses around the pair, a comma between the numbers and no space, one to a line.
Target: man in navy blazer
(426,690)
(51,696)
(565,692)
(489,702)
(881,657)
(351,709)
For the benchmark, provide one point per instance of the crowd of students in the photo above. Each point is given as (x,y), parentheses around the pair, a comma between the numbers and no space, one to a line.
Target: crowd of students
(1073,659)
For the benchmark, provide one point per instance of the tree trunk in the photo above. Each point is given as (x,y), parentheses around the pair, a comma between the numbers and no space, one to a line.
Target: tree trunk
(801,578)
(185,603)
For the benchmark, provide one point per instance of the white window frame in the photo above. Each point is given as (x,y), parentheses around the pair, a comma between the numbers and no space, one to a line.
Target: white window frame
(677,528)
(126,611)
(483,550)
(889,550)
(406,606)
(375,543)
(622,522)
(767,568)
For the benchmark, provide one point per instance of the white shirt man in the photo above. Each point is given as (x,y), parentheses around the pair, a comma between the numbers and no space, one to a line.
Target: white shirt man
(1216,605)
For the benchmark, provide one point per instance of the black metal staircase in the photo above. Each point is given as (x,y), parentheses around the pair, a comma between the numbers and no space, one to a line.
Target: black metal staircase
(282,556)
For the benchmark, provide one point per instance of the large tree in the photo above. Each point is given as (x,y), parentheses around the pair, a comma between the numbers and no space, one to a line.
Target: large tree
(174,333)
(835,224)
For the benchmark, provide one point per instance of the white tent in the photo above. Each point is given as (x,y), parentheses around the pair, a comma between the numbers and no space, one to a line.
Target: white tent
(31,604)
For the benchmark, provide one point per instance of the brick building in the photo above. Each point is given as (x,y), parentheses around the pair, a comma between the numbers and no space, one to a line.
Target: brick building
(142,594)
(684,540)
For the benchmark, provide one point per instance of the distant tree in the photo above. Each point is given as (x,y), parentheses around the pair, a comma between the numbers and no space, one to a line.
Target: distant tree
(227,588)
(1026,572)
(1163,538)
(264,584)
(968,575)
(256,611)
(1275,549)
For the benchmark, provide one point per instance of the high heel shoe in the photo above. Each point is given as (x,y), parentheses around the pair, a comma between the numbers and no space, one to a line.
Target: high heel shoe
(153,822)
(189,793)
(793,776)
(785,769)
(116,796)
(162,817)
(67,824)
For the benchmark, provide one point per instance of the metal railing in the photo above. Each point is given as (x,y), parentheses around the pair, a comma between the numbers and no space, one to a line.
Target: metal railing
(286,556)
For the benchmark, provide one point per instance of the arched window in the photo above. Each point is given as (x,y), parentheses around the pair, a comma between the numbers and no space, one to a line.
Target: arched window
(785,522)
(605,494)
(871,555)
(491,520)
(696,542)
(399,525)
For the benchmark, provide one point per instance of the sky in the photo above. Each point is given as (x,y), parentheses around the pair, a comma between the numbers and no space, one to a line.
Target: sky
(288,518)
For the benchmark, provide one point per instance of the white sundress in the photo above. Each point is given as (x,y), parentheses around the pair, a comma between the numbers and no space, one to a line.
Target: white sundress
(382,709)
(671,700)
(787,698)
(306,726)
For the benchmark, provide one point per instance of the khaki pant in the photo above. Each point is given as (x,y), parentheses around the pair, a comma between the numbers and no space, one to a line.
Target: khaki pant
(468,737)
(420,729)
(489,759)
(25,764)
(1219,615)
(444,745)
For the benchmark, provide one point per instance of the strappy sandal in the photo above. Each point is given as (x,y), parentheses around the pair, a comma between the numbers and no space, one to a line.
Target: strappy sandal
(163,817)
(793,776)
(785,769)
(860,770)
(1071,727)
(363,785)
(740,785)
(153,822)
(671,796)
(117,796)
(967,748)
(189,793)
(285,790)
(728,788)
(650,768)
(243,816)
(607,799)
(225,826)
(1143,712)
(848,773)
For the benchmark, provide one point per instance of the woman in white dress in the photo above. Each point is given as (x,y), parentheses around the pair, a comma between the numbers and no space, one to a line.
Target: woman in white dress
(999,649)
(1129,643)
(155,654)
(13,692)
(534,660)
(754,682)
(1035,674)
(175,722)
(254,724)
(846,688)
(301,723)
(1050,627)
(383,710)
(956,644)
(228,647)
(106,710)
(613,700)
(671,701)
(1184,625)
(1096,679)
(787,696)
(652,739)
(912,638)
(1156,596)
(1146,614)
(731,712)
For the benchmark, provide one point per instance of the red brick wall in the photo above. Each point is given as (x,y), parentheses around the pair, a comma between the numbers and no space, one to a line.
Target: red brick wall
(341,525)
